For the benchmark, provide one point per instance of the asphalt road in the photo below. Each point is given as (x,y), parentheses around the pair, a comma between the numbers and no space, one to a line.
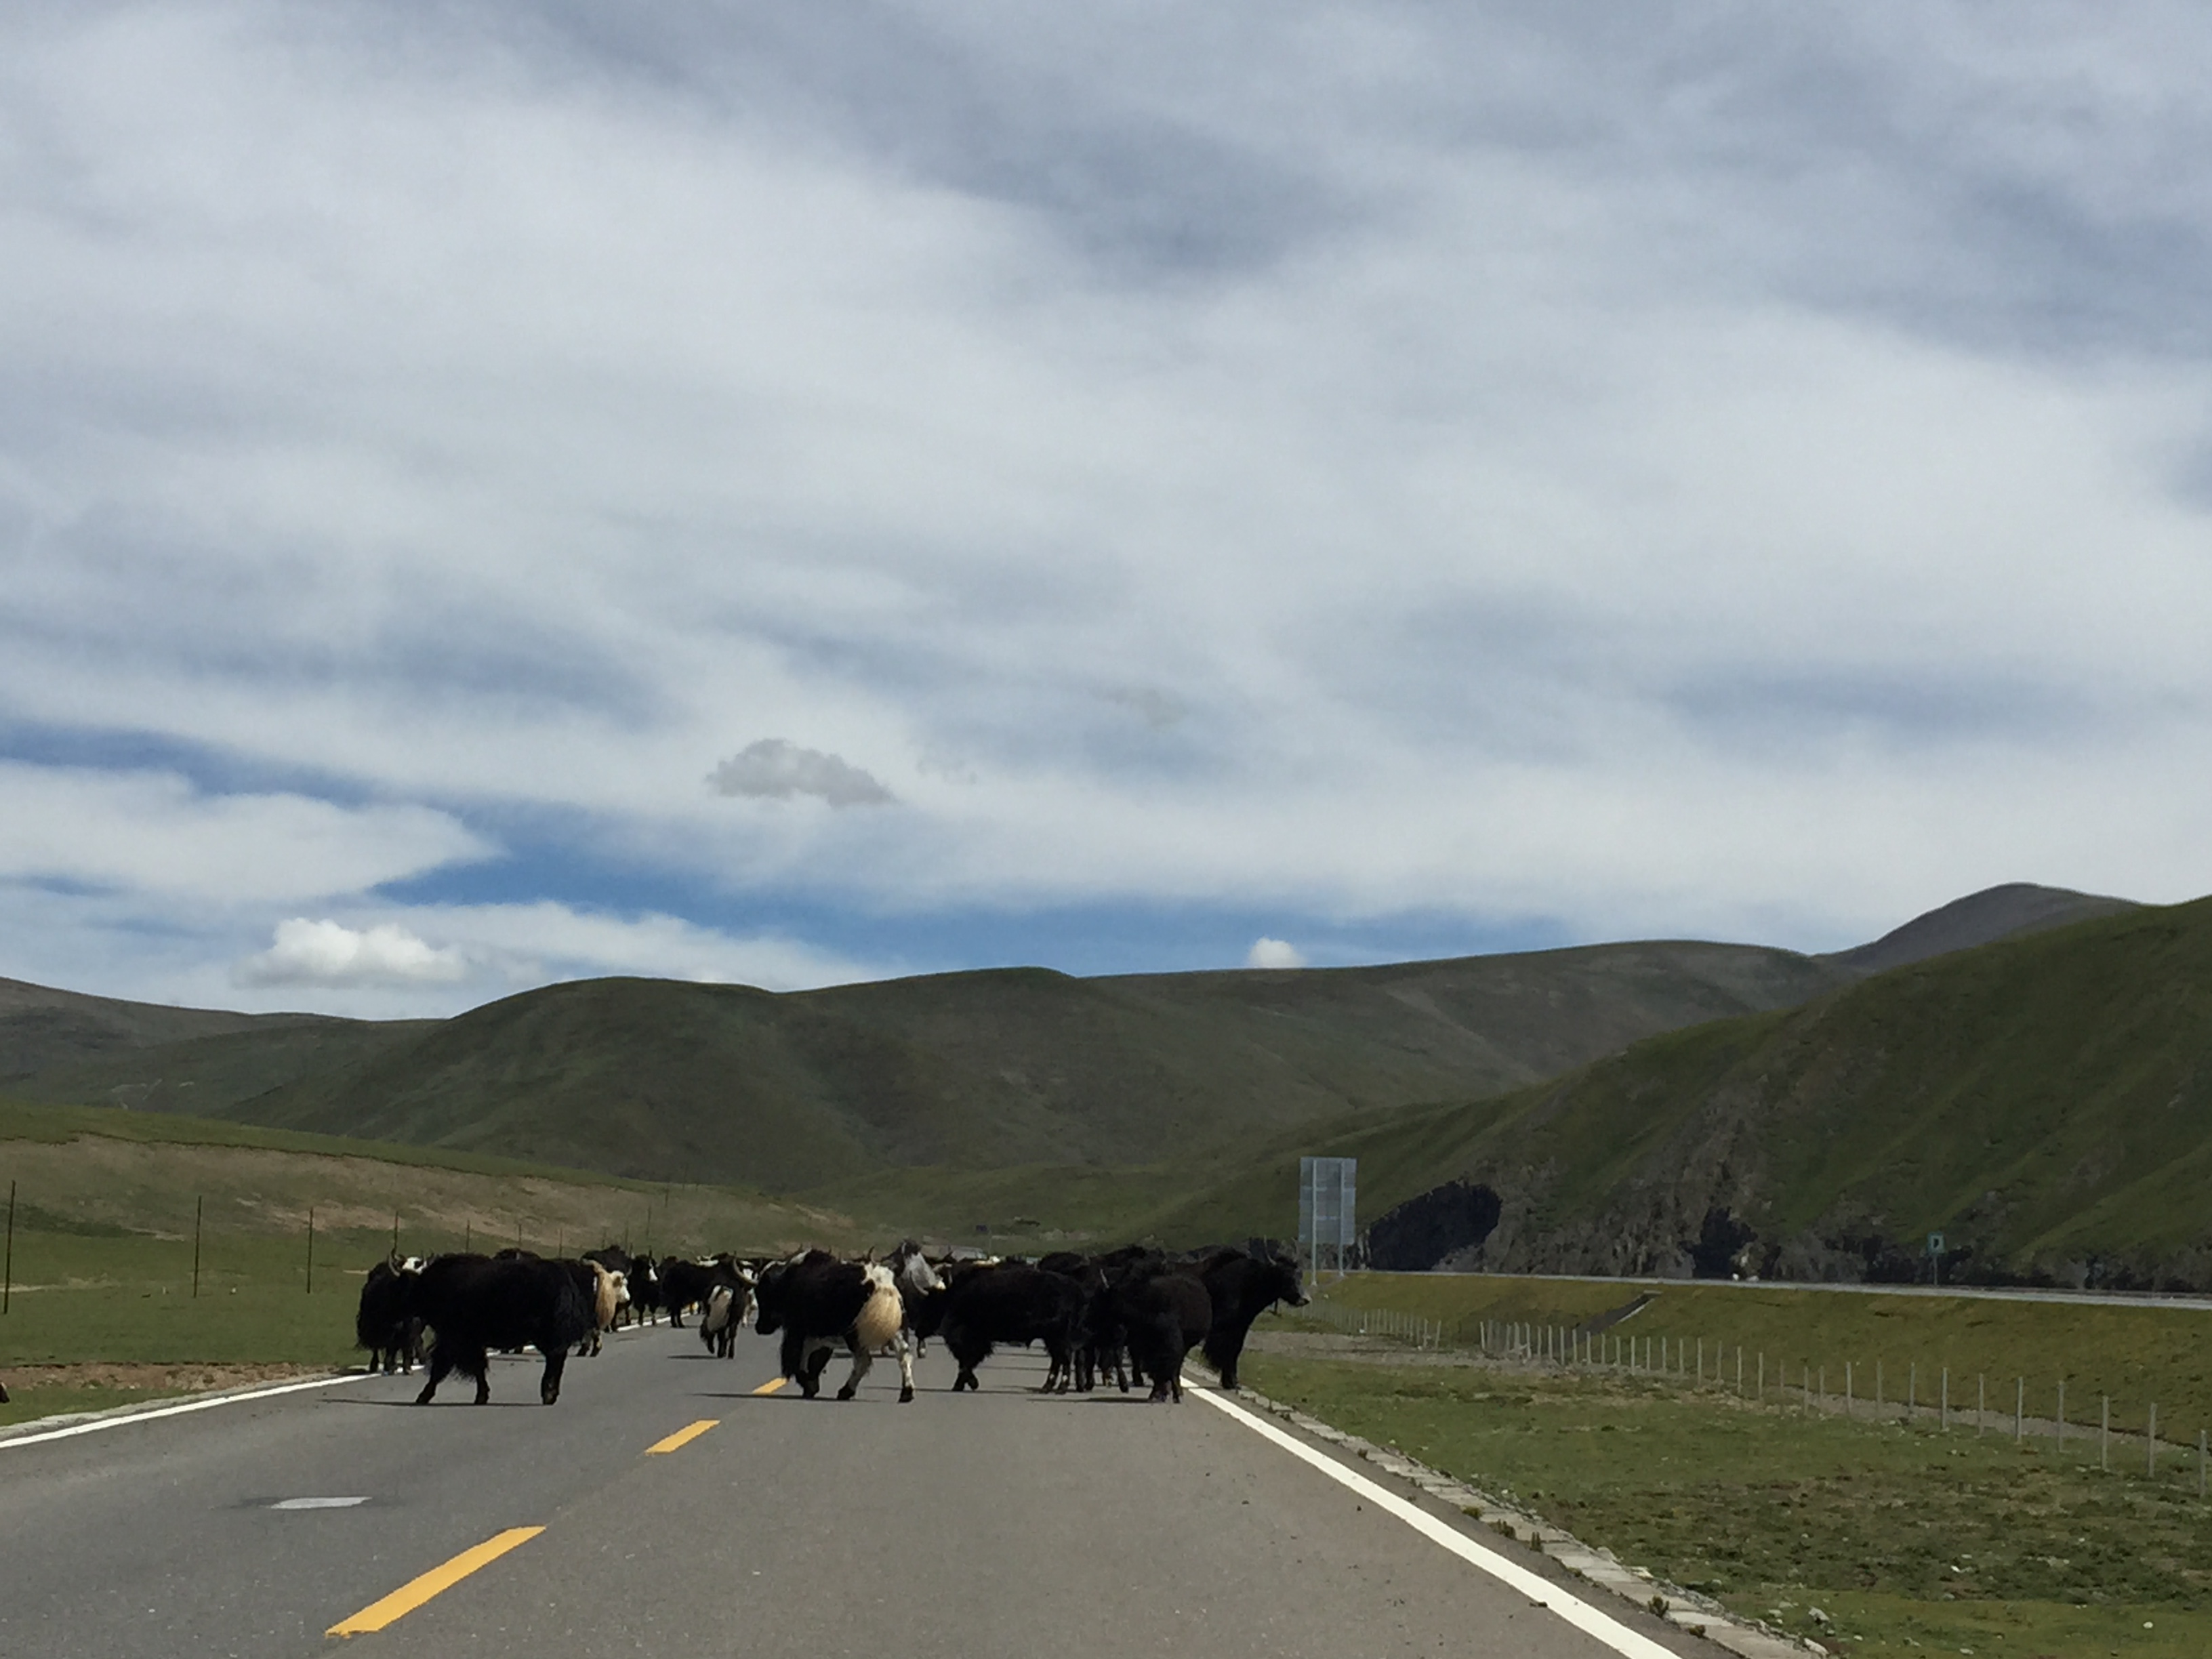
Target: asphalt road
(999,1523)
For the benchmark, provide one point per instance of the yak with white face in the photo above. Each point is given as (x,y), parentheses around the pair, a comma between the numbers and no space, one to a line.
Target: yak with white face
(917,1281)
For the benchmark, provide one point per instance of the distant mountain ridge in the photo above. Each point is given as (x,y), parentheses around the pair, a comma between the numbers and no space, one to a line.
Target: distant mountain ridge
(2011,911)
(974,1072)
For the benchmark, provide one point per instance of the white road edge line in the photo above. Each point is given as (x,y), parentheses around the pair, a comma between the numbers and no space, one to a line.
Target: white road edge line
(179,1410)
(1630,1645)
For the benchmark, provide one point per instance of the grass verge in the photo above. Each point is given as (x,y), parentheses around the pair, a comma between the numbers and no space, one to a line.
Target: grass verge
(2001,1352)
(111,1207)
(1906,1540)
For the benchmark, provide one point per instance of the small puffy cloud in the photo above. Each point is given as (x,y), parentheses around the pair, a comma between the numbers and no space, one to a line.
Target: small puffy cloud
(330,953)
(1273,953)
(1157,709)
(775,768)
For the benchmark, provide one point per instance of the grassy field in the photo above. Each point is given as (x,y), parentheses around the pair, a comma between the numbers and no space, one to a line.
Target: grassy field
(101,1307)
(94,1171)
(1905,1539)
(2138,1355)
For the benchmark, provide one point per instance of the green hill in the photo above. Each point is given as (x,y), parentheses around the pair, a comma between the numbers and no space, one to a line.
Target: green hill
(2044,1103)
(953,1099)
(45,1030)
(663,1079)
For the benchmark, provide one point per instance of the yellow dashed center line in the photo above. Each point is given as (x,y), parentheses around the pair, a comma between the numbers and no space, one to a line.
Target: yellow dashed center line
(771,1387)
(413,1593)
(681,1436)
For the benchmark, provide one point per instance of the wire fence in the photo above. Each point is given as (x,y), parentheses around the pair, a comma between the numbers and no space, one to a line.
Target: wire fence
(1850,1389)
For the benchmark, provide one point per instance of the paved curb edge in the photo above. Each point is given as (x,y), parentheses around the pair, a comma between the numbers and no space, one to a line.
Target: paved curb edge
(161,1402)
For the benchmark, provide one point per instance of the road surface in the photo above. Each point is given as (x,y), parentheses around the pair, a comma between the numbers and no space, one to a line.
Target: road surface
(1002,1523)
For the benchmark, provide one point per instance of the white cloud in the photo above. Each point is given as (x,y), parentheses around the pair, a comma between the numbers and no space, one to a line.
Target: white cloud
(775,768)
(153,833)
(1273,953)
(1675,479)
(490,949)
(529,943)
(329,953)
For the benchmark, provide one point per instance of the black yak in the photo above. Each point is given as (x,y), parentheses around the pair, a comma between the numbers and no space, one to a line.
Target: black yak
(476,1304)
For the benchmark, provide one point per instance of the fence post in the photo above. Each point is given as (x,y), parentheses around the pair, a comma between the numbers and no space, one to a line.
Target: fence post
(2105,1436)
(1981,1404)
(2062,1413)
(1913,1391)
(1944,1417)
(2018,1409)
(2150,1443)
(2200,1464)
(311,1250)
(198,1206)
(1739,1370)
(8,1272)
(1850,1395)
(395,1232)
(1762,1375)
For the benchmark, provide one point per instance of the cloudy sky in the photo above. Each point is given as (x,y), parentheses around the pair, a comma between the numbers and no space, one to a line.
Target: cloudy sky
(787,494)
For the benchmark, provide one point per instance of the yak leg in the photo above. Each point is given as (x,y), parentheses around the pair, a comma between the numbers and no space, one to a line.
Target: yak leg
(862,1361)
(549,1386)
(906,1368)
(1225,1348)
(441,1363)
(1056,1374)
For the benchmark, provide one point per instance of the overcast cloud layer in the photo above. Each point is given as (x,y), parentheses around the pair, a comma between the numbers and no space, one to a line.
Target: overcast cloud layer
(489,493)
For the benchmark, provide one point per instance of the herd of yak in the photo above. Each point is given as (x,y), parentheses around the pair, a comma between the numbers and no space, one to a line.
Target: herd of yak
(1131,1315)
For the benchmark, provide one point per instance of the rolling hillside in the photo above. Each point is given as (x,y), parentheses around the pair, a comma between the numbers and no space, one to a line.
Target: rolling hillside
(2045,1103)
(910,1092)
(45,1030)
(1014,1067)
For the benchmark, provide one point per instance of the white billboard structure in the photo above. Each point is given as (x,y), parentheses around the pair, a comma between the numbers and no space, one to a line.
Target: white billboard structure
(1328,1192)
